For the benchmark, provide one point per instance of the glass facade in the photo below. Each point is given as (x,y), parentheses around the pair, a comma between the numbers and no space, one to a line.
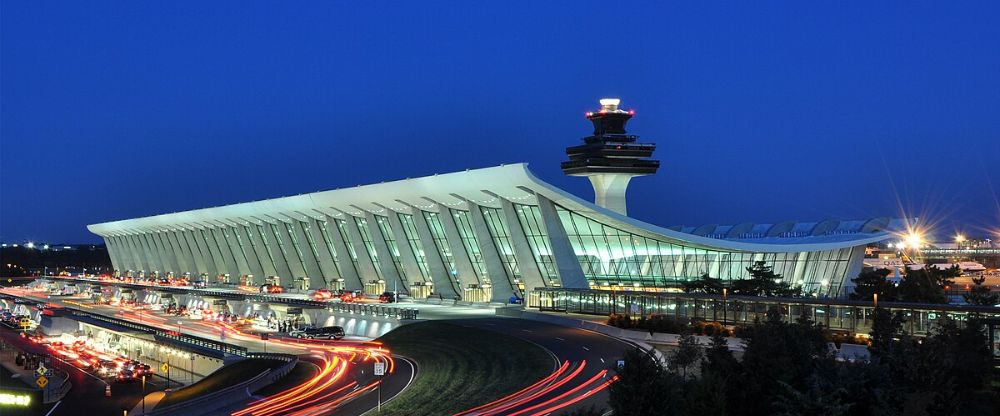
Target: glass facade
(531,222)
(410,229)
(470,243)
(366,238)
(342,226)
(611,257)
(296,245)
(328,241)
(437,234)
(390,241)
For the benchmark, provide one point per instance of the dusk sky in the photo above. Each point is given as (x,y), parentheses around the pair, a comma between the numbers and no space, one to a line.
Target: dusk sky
(762,111)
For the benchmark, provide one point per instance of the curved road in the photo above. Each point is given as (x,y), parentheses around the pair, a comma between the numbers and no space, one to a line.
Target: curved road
(585,368)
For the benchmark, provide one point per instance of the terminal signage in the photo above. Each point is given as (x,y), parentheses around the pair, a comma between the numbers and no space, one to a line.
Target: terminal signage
(295,311)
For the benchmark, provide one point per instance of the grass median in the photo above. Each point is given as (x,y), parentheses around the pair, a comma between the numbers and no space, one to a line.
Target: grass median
(459,367)
(220,379)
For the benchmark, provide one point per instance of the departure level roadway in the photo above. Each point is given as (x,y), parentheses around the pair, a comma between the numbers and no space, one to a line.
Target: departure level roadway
(345,384)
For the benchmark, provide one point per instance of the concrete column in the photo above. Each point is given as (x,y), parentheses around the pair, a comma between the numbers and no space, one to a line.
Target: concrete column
(567,264)
(444,283)
(144,255)
(407,257)
(466,270)
(366,269)
(128,254)
(139,261)
(609,190)
(277,254)
(503,289)
(115,251)
(185,249)
(195,234)
(267,264)
(244,255)
(297,265)
(166,252)
(350,274)
(183,258)
(157,261)
(204,237)
(385,256)
(522,251)
(199,261)
(313,270)
(327,263)
(217,241)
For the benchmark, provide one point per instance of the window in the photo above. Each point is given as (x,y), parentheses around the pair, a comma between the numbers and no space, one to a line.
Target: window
(470,243)
(366,238)
(410,229)
(390,241)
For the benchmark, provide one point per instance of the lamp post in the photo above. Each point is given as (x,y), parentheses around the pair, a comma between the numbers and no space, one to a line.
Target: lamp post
(725,309)
(144,394)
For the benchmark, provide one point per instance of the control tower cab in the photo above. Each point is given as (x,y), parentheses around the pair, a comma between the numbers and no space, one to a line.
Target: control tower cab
(610,158)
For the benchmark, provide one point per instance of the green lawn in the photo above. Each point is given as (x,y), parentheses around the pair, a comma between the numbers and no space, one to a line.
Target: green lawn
(459,368)
(222,378)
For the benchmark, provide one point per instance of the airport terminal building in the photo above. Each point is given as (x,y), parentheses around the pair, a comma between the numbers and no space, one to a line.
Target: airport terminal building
(483,235)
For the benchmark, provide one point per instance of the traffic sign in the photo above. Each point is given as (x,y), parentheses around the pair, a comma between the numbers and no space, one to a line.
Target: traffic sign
(42,381)
(41,370)
(164,367)
(379,369)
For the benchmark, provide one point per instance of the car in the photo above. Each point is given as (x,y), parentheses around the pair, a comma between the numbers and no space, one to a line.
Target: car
(125,376)
(322,294)
(106,367)
(269,288)
(387,297)
(200,284)
(327,332)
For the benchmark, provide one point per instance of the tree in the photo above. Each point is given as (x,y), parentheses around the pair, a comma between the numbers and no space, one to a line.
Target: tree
(704,284)
(644,387)
(764,281)
(980,294)
(886,328)
(687,354)
(820,398)
(927,285)
(871,282)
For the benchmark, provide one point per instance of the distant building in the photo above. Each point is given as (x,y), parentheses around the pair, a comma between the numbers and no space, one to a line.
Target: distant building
(486,234)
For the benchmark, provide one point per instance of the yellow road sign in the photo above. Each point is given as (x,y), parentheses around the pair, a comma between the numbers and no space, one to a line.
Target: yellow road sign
(164,367)
(42,381)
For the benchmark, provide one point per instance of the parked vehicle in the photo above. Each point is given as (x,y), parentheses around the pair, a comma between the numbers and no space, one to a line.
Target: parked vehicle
(269,288)
(328,332)
(387,297)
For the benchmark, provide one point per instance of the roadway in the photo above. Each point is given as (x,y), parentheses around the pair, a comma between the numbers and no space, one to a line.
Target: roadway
(580,380)
(345,385)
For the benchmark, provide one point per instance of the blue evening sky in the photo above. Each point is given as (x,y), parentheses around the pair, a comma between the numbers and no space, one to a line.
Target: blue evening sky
(762,111)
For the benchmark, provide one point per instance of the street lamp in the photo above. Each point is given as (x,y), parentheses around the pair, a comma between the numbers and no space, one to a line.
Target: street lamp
(143,394)
(725,309)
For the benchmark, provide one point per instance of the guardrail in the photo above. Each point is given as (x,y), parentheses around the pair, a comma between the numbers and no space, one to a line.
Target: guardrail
(168,334)
(232,394)
(352,308)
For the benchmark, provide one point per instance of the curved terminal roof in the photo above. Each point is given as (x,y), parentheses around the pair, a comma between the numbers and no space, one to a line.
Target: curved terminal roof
(483,187)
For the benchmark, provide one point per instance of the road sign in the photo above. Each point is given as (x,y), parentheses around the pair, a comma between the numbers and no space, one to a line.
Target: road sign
(41,371)
(164,367)
(621,364)
(42,381)
(379,369)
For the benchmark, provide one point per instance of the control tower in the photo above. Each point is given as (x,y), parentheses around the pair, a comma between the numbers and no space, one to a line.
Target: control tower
(610,157)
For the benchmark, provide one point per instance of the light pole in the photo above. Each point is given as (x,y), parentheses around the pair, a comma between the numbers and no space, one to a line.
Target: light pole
(725,309)
(144,394)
